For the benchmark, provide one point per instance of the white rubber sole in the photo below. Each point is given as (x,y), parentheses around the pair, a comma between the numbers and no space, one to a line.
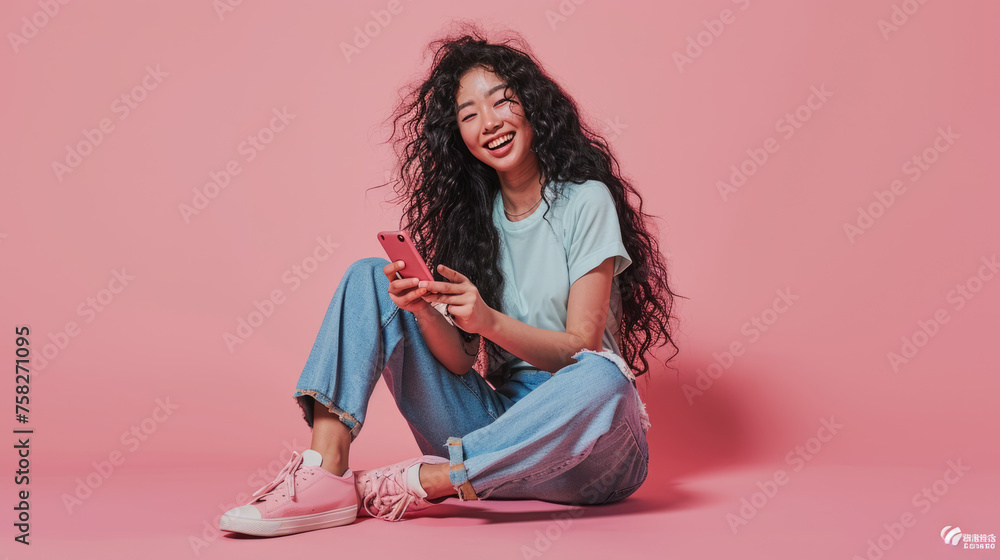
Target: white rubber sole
(289,525)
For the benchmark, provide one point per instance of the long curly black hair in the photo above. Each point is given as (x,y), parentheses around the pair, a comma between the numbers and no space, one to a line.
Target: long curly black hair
(448,194)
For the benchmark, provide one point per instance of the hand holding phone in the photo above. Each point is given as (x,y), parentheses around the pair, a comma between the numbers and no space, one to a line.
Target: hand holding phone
(399,247)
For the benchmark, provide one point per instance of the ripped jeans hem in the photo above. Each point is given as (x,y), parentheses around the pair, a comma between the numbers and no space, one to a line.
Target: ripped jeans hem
(301,396)
(627,372)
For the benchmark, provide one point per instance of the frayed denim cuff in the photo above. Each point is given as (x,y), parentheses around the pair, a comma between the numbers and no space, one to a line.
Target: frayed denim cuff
(456,472)
(301,395)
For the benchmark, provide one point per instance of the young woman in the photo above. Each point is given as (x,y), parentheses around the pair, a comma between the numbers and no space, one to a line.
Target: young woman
(546,267)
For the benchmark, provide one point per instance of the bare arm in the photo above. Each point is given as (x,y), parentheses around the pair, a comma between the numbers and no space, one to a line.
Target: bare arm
(445,342)
(586,314)
(548,350)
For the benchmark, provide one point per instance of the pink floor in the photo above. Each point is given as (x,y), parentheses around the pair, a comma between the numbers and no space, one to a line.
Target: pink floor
(710,462)
(871,217)
(822,511)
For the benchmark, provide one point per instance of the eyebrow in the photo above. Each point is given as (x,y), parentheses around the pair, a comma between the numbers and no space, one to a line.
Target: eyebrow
(488,93)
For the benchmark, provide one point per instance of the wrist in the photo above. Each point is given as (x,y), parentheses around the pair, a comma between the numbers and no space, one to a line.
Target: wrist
(492,322)
(421,313)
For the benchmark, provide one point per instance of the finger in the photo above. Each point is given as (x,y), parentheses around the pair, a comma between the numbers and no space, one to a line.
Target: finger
(451,274)
(441,298)
(391,268)
(440,287)
(414,295)
(403,284)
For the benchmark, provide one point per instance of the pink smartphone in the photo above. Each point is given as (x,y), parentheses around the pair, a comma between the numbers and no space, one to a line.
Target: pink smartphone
(399,247)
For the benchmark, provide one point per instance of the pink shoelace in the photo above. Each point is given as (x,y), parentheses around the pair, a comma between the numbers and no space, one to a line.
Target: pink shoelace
(285,476)
(386,495)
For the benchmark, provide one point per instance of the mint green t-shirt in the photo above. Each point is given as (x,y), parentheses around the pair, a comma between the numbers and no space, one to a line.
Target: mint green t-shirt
(541,258)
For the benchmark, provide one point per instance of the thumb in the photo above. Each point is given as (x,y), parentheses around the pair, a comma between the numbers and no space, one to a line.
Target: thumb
(447,272)
(451,274)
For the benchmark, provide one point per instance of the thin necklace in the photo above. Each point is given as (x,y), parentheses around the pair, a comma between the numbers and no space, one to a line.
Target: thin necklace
(522,213)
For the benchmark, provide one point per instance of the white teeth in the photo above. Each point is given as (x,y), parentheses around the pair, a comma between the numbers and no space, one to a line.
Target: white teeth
(500,140)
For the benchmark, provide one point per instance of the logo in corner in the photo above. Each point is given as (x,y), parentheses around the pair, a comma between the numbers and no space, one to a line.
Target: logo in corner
(951,535)
(971,541)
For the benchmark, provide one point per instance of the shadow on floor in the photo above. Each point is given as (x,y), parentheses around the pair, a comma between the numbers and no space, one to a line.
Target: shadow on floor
(696,428)
(675,498)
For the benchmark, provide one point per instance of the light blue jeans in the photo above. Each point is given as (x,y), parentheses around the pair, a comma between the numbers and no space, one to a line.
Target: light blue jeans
(572,437)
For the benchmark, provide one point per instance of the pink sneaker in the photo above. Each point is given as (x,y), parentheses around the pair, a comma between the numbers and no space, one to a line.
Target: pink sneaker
(303,497)
(385,494)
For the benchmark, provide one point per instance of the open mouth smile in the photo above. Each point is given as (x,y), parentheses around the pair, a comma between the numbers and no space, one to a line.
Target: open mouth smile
(500,142)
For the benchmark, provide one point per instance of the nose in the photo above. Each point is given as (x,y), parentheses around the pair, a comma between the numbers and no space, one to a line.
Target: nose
(491,121)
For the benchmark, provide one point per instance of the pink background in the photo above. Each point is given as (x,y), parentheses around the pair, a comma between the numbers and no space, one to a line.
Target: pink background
(677,129)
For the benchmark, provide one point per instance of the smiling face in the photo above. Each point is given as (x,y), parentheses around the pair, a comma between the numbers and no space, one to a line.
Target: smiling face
(492,125)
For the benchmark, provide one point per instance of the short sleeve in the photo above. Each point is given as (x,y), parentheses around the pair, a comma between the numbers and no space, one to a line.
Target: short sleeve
(592,230)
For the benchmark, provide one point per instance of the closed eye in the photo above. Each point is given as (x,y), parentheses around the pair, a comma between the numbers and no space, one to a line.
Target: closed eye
(497,104)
